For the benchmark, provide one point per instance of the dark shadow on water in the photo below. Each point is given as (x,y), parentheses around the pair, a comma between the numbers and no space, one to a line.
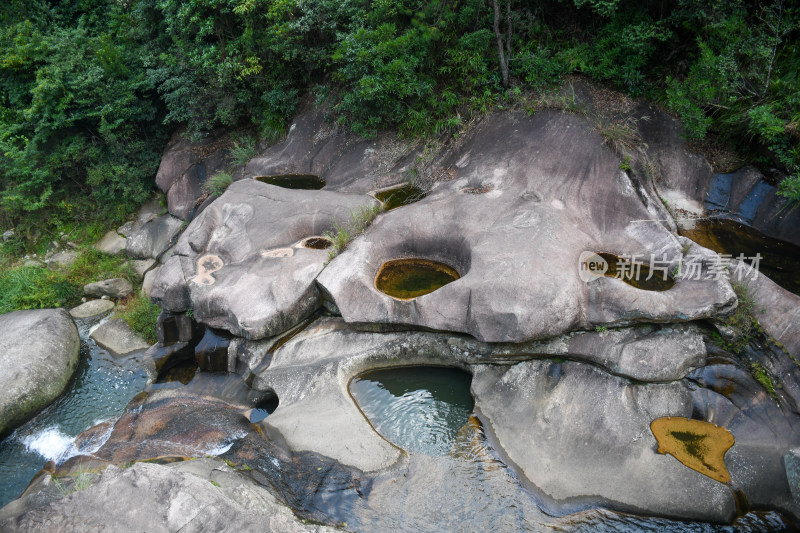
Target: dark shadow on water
(779,260)
(399,196)
(293,181)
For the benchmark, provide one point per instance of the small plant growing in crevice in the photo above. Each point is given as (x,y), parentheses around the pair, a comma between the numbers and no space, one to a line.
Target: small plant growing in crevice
(761,375)
(243,150)
(342,234)
(625,164)
(742,321)
(82,480)
(217,183)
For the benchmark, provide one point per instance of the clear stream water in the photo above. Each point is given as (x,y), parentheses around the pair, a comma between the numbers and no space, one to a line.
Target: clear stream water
(456,482)
(100,389)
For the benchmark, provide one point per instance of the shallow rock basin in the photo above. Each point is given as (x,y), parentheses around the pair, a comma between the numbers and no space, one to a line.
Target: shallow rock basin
(399,196)
(419,409)
(317,243)
(406,279)
(293,181)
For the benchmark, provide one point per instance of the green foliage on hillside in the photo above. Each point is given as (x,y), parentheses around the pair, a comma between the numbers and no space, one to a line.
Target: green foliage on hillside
(90,88)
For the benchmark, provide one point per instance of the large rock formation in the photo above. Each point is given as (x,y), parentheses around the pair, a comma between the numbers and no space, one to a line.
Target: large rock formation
(244,264)
(202,495)
(40,353)
(514,225)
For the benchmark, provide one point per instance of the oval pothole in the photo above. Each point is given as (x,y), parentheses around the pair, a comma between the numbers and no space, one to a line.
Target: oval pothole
(317,243)
(636,274)
(293,181)
(399,196)
(409,278)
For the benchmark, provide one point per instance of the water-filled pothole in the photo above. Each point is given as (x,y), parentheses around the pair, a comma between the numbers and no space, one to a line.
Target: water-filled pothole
(420,409)
(698,444)
(409,278)
(293,181)
(265,408)
(778,259)
(637,275)
(317,243)
(399,196)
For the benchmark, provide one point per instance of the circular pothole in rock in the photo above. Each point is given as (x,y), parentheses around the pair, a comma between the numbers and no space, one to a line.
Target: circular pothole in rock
(420,409)
(399,196)
(317,243)
(406,279)
(293,181)
(265,408)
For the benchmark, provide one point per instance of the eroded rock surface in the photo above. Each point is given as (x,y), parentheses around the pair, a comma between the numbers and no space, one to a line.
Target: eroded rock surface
(241,265)
(202,495)
(514,224)
(345,161)
(40,353)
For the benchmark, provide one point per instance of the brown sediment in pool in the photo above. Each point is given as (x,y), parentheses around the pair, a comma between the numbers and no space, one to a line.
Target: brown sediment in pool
(317,243)
(637,274)
(697,444)
(406,279)
(293,181)
(399,196)
(778,259)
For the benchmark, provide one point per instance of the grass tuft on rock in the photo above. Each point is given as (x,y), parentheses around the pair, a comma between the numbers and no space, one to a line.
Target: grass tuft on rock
(141,315)
(343,234)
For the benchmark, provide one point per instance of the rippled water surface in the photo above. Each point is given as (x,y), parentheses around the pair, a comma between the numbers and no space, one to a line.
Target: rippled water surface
(456,481)
(101,388)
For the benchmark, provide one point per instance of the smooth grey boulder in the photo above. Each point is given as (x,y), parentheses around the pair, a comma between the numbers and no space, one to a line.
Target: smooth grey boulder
(92,309)
(241,265)
(153,237)
(40,354)
(117,337)
(344,160)
(141,266)
(113,288)
(189,496)
(684,177)
(578,434)
(184,168)
(112,243)
(514,225)
(147,282)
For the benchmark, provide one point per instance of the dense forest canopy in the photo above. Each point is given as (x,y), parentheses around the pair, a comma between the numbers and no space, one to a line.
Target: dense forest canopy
(90,89)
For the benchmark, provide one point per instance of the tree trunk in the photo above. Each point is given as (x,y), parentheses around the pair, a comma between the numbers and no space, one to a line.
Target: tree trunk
(500,52)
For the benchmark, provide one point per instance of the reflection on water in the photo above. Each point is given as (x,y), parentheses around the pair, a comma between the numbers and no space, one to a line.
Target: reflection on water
(456,481)
(399,196)
(779,259)
(410,278)
(100,390)
(419,409)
